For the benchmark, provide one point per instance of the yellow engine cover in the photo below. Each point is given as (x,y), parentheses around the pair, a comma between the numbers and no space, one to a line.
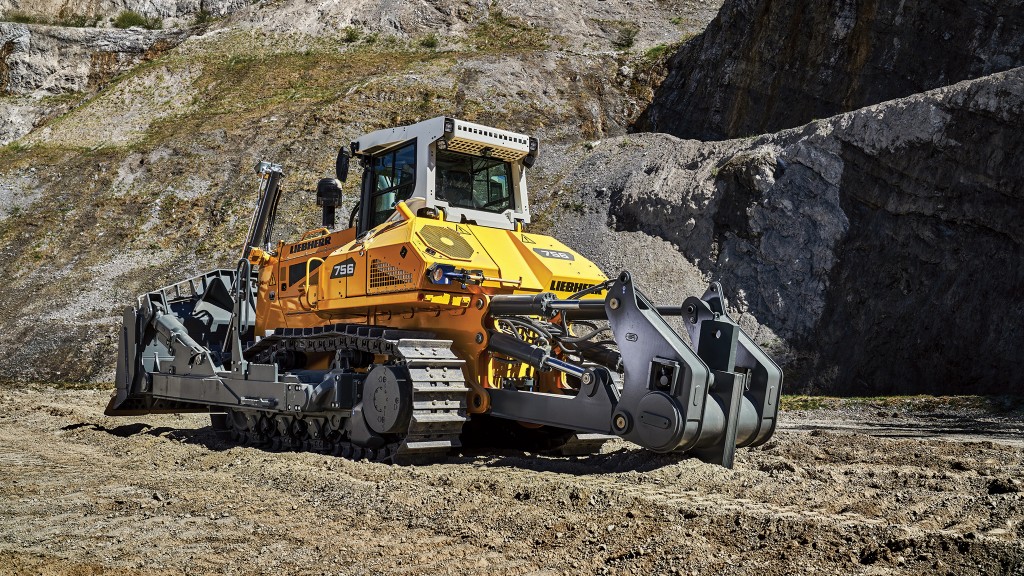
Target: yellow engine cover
(381,280)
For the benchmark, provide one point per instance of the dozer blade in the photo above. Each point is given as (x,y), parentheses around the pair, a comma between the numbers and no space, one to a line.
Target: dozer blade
(157,331)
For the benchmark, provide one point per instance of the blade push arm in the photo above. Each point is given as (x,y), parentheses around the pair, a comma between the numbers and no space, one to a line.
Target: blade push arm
(708,399)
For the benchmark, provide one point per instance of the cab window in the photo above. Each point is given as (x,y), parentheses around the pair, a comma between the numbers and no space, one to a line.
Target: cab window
(394,179)
(473,182)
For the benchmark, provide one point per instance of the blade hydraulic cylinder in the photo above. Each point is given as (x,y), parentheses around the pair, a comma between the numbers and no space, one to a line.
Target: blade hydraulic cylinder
(533,355)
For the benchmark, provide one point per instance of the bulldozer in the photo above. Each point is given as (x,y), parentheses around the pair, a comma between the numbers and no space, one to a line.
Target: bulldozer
(436,319)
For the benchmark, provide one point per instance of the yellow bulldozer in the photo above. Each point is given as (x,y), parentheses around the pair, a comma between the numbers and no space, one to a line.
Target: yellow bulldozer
(436,319)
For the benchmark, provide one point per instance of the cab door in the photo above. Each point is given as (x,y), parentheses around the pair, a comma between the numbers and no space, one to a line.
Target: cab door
(388,178)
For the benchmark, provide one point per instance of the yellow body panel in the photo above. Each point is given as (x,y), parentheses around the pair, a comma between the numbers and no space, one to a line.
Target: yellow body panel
(381,280)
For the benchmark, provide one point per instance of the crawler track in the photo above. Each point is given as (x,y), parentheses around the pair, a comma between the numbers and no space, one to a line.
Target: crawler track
(438,395)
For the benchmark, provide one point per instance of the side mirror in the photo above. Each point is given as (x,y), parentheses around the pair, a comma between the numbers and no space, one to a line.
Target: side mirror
(341,164)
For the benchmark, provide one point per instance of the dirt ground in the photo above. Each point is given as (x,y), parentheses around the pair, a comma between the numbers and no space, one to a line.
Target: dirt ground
(910,488)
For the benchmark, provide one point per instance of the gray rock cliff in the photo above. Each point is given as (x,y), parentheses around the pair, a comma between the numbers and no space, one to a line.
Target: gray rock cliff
(103,9)
(766,65)
(886,245)
(56,59)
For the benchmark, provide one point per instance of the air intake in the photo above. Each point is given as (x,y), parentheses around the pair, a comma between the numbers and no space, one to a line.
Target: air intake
(447,241)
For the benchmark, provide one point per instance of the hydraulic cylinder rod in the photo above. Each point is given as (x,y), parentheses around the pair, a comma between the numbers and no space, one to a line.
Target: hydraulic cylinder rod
(547,305)
(533,355)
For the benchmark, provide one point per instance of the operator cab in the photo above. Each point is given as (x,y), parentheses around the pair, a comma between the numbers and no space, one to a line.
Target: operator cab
(464,171)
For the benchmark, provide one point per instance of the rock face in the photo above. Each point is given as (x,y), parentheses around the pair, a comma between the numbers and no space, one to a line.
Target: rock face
(55,59)
(586,26)
(767,65)
(885,245)
(17,117)
(102,9)
(40,61)
(927,293)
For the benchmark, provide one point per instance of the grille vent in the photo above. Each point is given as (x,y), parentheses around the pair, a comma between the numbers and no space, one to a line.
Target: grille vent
(447,241)
(385,277)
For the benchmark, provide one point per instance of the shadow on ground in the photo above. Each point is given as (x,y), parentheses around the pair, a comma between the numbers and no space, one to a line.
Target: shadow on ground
(622,460)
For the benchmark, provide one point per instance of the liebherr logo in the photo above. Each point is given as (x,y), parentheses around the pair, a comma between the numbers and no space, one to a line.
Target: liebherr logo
(566,286)
(324,241)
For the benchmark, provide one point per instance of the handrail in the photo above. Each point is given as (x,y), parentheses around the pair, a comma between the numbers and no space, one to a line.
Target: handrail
(218,272)
(322,232)
(306,283)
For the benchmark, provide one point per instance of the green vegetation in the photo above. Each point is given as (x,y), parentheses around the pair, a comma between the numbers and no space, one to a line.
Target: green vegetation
(19,17)
(575,205)
(242,83)
(800,402)
(65,18)
(626,37)
(76,20)
(130,18)
(351,34)
(685,23)
(656,52)
(15,146)
(503,34)
(203,17)
(429,41)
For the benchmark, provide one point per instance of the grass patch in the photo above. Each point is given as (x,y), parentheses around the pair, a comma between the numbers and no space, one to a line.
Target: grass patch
(65,18)
(15,147)
(656,52)
(238,90)
(501,33)
(685,23)
(130,19)
(351,34)
(800,402)
(429,41)
(202,18)
(19,17)
(76,20)
(626,37)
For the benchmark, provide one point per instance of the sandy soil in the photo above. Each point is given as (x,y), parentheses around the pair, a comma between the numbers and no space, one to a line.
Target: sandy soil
(839,491)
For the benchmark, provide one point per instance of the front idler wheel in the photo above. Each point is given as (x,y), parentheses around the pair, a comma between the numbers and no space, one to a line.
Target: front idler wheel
(387,400)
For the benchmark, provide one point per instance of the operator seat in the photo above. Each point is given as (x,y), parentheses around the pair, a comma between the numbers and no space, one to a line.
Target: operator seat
(457,188)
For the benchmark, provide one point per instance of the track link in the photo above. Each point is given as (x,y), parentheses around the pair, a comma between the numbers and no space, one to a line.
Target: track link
(439,400)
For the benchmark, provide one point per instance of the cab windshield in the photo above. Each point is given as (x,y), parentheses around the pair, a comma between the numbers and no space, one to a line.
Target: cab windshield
(474,182)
